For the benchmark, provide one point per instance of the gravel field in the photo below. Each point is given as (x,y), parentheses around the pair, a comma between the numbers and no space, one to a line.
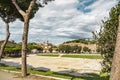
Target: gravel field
(74,66)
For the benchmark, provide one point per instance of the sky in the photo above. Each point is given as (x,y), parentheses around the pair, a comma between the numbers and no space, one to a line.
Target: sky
(62,20)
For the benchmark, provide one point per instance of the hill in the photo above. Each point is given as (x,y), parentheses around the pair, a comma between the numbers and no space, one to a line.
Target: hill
(84,41)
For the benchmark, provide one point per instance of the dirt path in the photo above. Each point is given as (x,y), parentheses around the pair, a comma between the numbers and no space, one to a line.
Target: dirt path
(6,76)
(10,76)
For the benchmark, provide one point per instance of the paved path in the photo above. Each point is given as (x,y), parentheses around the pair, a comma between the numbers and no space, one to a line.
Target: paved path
(59,64)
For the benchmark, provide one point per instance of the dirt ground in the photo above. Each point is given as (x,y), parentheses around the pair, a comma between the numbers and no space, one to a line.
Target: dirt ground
(12,76)
(59,64)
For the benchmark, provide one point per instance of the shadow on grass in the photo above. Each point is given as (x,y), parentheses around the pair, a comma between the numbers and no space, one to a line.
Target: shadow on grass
(60,74)
(82,76)
(10,63)
(41,69)
(92,76)
(18,66)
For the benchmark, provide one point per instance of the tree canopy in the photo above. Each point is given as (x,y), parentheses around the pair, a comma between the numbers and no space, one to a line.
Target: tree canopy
(27,9)
(107,37)
(84,41)
(8,12)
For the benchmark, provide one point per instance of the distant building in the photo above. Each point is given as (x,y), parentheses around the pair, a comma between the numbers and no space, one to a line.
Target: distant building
(46,46)
(35,51)
(54,50)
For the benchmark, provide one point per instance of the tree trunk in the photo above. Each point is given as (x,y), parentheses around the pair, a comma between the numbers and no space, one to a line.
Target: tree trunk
(6,40)
(115,71)
(24,46)
(25,33)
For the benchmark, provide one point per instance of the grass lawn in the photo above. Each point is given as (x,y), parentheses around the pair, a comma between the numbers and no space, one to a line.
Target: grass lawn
(90,76)
(87,56)
(50,55)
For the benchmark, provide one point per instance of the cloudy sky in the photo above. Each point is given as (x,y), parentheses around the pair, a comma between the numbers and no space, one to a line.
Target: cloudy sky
(63,20)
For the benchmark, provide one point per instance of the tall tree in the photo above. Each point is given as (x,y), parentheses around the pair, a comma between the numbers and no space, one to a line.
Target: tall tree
(26,12)
(106,38)
(7,14)
(115,71)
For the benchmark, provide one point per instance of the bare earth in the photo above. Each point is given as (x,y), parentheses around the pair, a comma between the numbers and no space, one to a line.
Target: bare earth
(12,76)
(74,66)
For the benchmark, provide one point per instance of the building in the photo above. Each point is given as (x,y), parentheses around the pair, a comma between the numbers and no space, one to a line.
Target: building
(46,46)
(54,50)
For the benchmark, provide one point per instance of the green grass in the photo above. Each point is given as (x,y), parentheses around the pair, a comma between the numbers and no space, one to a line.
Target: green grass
(9,68)
(50,55)
(87,56)
(91,76)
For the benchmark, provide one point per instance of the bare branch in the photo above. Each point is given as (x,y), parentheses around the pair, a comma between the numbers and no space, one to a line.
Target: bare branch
(32,3)
(18,8)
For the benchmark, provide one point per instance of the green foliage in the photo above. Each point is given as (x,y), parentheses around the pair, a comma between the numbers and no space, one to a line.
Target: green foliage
(107,37)
(86,56)
(54,46)
(6,6)
(24,4)
(8,12)
(70,49)
(50,55)
(50,49)
(16,48)
(12,48)
(76,49)
(86,49)
(31,46)
(82,41)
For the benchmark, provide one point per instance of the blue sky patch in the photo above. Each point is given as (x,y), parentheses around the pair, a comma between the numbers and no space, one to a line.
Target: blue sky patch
(83,4)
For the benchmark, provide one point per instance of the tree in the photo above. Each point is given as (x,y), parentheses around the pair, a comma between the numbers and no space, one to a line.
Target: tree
(8,14)
(106,38)
(31,46)
(115,71)
(79,49)
(51,49)
(61,48)
(84,41)
(75,48)
(85,49)
(65,48)
(20,6)
(12,50)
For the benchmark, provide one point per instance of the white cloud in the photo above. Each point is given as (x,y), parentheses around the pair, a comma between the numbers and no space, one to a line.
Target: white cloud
(60,20)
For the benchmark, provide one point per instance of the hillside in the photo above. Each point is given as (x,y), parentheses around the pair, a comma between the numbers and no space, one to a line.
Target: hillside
(84,41)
